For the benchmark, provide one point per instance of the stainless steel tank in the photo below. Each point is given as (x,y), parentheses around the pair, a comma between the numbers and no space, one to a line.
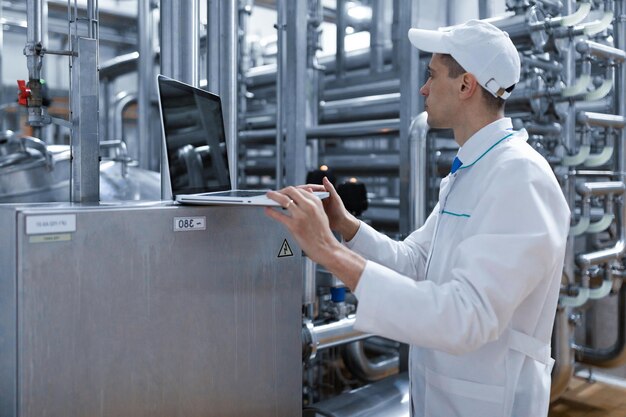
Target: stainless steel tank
(31,171)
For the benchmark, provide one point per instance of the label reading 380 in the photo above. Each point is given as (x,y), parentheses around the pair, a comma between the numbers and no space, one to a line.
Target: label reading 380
(189,224)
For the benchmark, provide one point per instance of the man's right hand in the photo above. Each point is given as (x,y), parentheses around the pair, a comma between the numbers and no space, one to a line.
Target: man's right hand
(340,220)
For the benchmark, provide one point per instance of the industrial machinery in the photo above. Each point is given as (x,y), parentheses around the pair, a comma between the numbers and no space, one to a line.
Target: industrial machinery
(147,308)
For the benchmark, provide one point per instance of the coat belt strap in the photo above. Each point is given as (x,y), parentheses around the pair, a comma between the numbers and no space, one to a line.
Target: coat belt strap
(530,346)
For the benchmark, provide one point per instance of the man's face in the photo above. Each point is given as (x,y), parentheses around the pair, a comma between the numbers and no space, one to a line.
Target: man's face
(441,94)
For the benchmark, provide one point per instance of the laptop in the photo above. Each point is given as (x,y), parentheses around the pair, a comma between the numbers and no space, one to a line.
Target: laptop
(196,151)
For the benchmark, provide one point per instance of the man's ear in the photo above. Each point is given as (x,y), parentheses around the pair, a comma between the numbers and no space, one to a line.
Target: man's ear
(468,87)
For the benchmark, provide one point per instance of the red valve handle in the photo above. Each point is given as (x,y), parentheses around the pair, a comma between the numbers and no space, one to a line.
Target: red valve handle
(23,93)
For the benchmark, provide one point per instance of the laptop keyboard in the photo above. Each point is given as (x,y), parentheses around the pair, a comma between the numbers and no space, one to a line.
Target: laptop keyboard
(236,193)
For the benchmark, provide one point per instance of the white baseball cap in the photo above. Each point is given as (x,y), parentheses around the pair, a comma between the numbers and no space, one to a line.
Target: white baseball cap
(480,48)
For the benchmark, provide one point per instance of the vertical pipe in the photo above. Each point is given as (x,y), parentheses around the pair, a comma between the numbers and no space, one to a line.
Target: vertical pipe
(295,101)
(418,185)
(340,54)
(222,68)
(313,84)
(562,351)
(569,138)
(33,36)
(213,45)
(280,71)
(377,35)
(179,52)
(145,75)
(179,40)
(409,102)
(3,126)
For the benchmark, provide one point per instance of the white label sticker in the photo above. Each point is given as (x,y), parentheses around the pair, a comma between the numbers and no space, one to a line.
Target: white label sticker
(49,224)
(189,224)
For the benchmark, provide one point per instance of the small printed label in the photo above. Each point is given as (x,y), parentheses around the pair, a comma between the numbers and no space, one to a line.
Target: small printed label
(189,224)
(285,250)
(50,224)
(65,237)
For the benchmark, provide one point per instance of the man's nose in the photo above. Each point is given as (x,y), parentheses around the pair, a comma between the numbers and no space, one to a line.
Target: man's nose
(424,90)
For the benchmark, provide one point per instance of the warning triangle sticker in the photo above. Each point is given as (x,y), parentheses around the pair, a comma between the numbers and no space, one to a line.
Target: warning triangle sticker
(285,250)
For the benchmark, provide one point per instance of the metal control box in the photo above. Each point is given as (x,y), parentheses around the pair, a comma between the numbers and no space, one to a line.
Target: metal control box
(148,310)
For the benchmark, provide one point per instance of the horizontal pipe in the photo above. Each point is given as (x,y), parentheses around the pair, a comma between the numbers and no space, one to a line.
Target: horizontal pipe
(331,131)
(330,335)
(600,188)
(601,119)
(362,90)
(600,50)
(601,256)
(119,65)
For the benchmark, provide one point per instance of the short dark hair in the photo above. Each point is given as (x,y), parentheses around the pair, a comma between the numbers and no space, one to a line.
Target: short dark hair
(455,69)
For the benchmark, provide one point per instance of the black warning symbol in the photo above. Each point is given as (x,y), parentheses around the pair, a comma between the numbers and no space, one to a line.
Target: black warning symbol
(285,250)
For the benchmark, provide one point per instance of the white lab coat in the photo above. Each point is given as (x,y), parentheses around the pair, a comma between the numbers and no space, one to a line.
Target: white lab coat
(474,291)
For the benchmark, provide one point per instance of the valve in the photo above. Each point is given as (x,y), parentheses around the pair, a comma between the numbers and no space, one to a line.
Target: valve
(23,93)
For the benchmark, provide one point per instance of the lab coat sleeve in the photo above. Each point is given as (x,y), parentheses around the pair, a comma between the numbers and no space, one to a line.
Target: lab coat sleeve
(517,239)
(407,257)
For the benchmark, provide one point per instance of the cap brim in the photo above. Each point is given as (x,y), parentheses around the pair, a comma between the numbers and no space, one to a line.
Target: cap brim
(429,41)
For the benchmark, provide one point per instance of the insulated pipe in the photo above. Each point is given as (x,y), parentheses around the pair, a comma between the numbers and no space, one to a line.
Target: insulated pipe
(617,251)
(614,355)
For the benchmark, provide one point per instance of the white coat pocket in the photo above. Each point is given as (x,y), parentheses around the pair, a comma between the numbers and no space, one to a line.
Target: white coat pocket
(450,397)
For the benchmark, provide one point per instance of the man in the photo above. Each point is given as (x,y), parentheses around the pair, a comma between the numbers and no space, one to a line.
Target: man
(474,291)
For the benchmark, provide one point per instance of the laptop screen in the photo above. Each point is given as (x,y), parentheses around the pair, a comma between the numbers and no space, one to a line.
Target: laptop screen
(194,138)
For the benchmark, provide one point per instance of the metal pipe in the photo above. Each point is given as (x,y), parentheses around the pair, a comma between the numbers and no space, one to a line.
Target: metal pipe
(280,71)
(418,184)
(410,104)
(600,119)
(122,102)
(614,355)
(332,131)
(315,338)
(602,256)
(391,85)
(600,188)
(179,40)
(377,35)
(146,141)
(359,59)
(3,123)
(562,352)
(120,65)
(367,369)
(340,57)
(295,86)
(600,50)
